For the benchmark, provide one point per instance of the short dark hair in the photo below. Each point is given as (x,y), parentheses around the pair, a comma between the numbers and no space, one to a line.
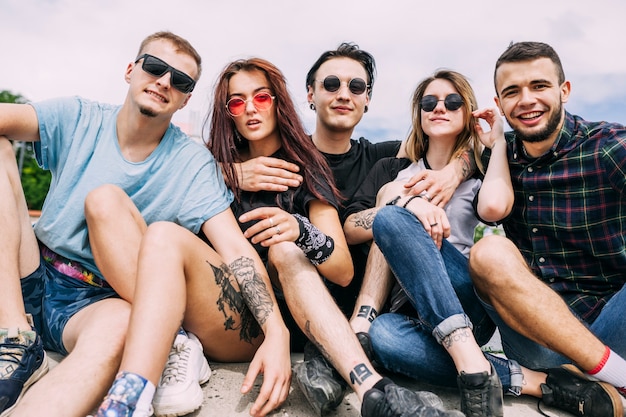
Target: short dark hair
(346,50)
(529,51)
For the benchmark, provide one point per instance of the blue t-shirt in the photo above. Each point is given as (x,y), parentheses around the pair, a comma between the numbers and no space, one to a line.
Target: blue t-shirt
(179,181)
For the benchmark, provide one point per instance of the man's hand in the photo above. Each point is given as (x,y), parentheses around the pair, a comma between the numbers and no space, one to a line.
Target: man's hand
(273,360)
(268,174)
(436,187)
(495,122)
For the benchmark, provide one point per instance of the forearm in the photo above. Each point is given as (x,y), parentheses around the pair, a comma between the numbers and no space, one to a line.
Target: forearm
(495,198)
(358,226)
(465,165)
(257,293)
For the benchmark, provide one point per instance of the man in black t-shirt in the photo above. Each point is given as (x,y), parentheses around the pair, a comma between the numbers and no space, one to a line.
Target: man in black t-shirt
(339,89)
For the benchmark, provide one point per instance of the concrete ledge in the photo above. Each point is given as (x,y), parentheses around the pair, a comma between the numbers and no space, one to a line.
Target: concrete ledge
(222,397)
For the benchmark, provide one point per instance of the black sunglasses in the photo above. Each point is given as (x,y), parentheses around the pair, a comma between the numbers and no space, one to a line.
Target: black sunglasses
(157,68)
(356,85)
(452,102)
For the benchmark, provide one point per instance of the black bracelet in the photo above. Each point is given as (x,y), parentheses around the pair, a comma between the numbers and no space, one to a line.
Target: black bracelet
(410,199)
(393,201)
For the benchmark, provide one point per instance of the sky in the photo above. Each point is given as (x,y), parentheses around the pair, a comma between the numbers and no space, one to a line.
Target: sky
(54,48)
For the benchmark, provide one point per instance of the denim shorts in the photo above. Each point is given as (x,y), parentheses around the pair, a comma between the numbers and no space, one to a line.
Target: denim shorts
(52,298)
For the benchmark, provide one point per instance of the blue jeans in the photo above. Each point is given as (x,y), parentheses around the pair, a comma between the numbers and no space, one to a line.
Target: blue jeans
(609,327)
(438,284)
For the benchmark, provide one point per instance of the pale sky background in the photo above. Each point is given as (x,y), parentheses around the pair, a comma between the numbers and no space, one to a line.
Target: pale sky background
(52,48)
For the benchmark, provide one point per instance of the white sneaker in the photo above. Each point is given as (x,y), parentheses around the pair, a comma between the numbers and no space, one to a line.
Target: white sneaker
(179,392)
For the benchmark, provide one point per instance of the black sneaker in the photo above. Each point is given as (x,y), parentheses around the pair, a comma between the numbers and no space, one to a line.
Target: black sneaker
(481,394)
(320,383)
(21,365)
(567,388)
(398,401)
(366,343)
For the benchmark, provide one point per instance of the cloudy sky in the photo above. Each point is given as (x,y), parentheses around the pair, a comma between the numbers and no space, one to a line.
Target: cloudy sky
(52,48)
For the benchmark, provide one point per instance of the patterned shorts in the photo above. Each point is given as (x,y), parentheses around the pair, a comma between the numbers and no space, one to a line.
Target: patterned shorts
(52,298)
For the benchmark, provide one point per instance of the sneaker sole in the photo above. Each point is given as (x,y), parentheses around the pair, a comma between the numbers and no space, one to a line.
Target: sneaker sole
(193,404)
(41,371)
(616,398)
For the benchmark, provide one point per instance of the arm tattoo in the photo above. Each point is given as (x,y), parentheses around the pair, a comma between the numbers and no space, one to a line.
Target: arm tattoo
(459,335)
(253,288)
(468,164)
(364,219)
(367,312)
(231,301)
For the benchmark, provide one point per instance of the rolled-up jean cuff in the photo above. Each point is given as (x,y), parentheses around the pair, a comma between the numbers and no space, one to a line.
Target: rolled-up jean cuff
(451,324)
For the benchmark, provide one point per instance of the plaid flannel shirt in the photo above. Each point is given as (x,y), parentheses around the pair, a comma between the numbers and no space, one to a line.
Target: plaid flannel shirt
(569,215)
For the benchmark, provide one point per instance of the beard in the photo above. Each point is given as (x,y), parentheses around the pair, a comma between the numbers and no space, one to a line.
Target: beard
(147,112)
(546,132)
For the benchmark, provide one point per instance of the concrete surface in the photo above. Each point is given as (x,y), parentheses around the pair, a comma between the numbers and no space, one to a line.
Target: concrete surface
(223,399)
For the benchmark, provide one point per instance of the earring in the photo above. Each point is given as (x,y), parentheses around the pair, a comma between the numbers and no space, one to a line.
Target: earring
(312,106)
(365,109)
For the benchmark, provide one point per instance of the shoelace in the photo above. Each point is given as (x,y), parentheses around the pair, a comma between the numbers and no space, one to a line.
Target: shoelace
(10,356)
(477,405)
(177,364)
(539,401)
(567,400)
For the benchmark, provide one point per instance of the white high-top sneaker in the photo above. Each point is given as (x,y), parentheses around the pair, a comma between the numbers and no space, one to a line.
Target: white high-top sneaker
(179,391)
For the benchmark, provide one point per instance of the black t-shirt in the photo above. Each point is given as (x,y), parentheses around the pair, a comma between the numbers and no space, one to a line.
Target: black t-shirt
(383,172)
(294,200)
(351,168)
(349,171)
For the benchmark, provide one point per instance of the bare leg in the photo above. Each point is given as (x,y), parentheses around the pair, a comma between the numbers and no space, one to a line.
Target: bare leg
(503,279)
(95,339)
(115,231)
(19,253)
(319,317)
(377,283)
(177,282)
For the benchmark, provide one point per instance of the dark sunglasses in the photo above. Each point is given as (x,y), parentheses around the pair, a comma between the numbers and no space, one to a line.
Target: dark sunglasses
(157,68)
(452,102)
(261,101)
(356,85)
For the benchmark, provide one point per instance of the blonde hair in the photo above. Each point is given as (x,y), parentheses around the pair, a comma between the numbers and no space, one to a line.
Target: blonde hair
(417,142)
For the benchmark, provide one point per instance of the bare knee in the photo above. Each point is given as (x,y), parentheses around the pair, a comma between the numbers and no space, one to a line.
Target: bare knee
(288,260)
(7,154)
(488,260)
(105,202)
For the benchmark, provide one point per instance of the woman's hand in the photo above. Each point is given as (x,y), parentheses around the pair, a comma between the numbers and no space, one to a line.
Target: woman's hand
(274,225)
(432,217)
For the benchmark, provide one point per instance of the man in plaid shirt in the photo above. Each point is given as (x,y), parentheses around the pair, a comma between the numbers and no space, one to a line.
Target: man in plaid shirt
(555,284)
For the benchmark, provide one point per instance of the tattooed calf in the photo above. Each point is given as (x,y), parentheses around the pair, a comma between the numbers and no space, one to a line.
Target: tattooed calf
(359,374)
(367,312)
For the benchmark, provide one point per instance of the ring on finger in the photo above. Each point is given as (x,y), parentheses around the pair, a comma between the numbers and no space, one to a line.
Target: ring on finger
(434,224)
(271,222)
(426,196)
(277,230)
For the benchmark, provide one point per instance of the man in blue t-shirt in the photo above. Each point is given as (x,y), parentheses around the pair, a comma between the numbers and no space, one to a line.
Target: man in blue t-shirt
(117,171)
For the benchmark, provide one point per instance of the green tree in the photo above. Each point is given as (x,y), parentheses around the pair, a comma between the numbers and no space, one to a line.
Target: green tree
(35,181)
